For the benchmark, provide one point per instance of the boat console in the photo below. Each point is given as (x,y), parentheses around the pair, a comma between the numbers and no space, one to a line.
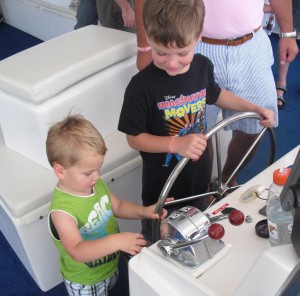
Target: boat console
(244,264)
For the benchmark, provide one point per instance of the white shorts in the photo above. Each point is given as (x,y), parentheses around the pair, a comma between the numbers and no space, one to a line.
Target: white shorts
(244,70)
(99,289)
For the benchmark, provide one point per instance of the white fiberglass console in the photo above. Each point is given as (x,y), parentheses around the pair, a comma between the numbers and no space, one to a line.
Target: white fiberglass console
(249,267)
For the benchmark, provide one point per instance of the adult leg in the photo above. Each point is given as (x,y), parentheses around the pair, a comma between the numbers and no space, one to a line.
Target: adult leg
(1,18)
(86,14)
(239,144)
(281,85)
(255,83)
(296,15)
(246,71)
(105,10)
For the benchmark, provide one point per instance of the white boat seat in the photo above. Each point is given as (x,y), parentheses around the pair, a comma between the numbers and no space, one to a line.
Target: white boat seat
(85,71)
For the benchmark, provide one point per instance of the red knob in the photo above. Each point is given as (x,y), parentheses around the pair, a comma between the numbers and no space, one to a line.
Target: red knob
(216,231)
(236,217)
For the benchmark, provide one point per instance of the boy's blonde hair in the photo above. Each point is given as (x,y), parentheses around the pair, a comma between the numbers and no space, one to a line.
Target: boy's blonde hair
(173,22)
(70,139)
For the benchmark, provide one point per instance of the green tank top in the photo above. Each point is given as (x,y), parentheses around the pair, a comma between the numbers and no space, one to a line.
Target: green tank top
(95,220)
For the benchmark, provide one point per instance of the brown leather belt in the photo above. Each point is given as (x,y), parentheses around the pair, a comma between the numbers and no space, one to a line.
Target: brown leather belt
(231,41)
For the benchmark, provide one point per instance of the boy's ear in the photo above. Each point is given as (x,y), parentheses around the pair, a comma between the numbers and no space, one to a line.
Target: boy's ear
(59,170)
(199,38)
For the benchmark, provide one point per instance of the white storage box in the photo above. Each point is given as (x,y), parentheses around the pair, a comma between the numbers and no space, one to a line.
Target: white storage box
(44,19)
(83,71)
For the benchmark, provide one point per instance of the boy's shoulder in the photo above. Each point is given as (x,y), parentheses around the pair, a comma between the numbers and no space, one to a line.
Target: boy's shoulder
(149,70)
(147,76)
(101,186)
(199,58)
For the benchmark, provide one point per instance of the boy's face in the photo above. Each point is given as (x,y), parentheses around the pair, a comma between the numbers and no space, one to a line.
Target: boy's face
(173,60)
(81,177)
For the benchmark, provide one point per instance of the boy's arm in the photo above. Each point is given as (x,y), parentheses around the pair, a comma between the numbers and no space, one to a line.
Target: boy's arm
(149,143)
(191,146)
(228,100)
(128,210)
(86,251)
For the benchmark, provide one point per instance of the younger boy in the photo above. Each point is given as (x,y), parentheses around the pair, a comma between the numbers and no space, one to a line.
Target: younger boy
(82,213)
(164,104)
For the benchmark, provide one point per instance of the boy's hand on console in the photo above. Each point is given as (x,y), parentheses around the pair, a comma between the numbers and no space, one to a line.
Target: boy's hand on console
(131,243)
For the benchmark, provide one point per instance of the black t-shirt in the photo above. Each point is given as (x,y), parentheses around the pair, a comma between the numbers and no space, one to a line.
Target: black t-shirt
(165,105)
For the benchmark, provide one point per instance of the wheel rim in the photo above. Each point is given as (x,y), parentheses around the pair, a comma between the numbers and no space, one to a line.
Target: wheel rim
(221,189)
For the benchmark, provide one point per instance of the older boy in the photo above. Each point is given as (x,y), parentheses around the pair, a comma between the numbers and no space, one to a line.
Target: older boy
(170,95)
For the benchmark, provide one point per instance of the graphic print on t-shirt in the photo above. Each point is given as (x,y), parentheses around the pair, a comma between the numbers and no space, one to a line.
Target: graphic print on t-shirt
(96,225)
(183,116)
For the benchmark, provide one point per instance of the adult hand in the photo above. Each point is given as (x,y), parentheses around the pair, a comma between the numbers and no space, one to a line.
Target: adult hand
(287,50)
(128,16)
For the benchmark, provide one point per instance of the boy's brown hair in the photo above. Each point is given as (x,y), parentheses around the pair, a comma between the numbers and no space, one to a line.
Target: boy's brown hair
(173,22)
(70,139)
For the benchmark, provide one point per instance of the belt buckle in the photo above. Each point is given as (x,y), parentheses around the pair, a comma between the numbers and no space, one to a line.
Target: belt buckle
(242,38)
(233,39)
